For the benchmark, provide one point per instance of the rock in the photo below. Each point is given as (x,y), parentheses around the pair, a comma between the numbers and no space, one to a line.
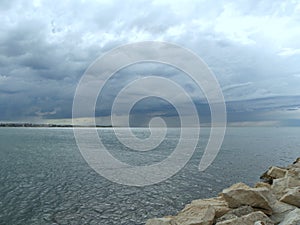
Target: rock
(293,181)
(292,196)
(280,186)
(218,203)
(292,218)
(249,219)
(235,213)
(244,205)
(262,184)
(297,161)
(242,211)
(159,221)
(280,210)
(195,215)
(240,194)
(295,165)
(227,216)
(266,178)
(276,172)
(294,172)
(191,221)
(190,215)
(273,173)
(259,223)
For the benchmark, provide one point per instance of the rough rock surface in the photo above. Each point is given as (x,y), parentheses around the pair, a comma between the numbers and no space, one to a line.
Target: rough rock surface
(249,219)
(262,184)
(218,203)
(190,215)
(292,218)
(193,214)
(274,201)
(235,213)
(276,172)
(292,196)
(240,194)
(280,210)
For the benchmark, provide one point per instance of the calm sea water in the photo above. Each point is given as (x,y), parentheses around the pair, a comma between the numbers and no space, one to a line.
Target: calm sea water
(45,180)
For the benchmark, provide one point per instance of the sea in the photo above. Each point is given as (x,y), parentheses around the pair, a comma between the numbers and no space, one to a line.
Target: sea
(44,179)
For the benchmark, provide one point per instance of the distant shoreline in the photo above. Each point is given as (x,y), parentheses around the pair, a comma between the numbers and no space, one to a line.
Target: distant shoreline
(48,125)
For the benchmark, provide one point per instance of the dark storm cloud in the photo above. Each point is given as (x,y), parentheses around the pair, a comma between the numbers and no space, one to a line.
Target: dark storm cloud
(45,47)
(276,109)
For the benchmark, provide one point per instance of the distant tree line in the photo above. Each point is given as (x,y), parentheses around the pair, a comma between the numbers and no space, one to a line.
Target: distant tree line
(42,125)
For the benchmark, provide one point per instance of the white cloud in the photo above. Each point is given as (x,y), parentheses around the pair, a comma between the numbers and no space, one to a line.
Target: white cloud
(234,86)
(289,52)
(41,114)
(3,77)
(254,124)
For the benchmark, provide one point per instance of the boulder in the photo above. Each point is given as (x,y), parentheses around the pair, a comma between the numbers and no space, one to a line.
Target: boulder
(249,219)
(293,181)
(227,216)
(218,203)
(292,196)
(294,172)
(266,178)
(244,205)
(190,215)
(292,218)
(242,211)
(295,165)
(241,194)
(276,172)
(195,215)
(191,221)
(297,161)
(280,186)
(235,213)
(272,173)
(262,184)
(259,223)
(199,212)
(280,210)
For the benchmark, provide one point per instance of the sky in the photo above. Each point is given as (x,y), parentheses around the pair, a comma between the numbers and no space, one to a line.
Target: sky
(252,47)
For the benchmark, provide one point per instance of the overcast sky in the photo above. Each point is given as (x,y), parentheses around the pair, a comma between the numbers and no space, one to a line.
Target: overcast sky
(253,49)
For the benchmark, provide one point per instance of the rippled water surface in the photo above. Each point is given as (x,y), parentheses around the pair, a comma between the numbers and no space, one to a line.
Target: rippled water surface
(45,180)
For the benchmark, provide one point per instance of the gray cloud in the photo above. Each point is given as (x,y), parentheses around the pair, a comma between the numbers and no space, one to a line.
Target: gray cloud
(45,46)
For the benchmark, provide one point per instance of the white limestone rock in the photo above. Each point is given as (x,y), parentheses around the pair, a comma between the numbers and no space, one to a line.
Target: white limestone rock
(249,219)
(292,218)
(218,203)
(241,194)
(196,215)
(276,172)
(280,210)
(292,196)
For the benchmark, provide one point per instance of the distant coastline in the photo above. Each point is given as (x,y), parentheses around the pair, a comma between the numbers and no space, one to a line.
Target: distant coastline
(46,125)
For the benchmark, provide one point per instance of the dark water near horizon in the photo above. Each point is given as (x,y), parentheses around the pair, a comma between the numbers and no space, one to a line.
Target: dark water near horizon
(45,180)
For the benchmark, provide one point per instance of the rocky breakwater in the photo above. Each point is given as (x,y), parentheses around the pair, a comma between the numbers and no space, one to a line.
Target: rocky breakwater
(275,200)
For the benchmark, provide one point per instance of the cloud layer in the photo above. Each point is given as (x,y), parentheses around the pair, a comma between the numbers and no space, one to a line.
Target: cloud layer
(252,48)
